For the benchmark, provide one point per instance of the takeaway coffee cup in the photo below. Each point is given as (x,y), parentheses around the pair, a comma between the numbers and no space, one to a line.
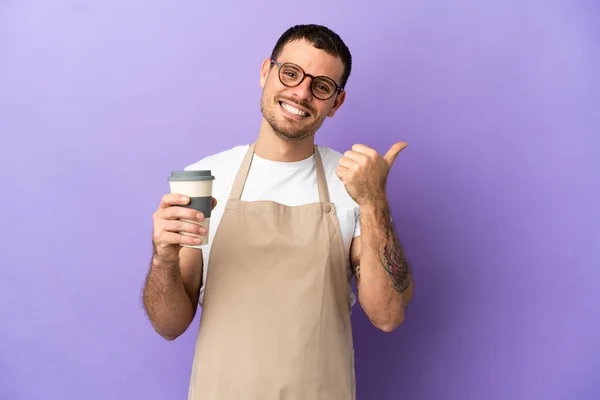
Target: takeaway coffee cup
(197,185)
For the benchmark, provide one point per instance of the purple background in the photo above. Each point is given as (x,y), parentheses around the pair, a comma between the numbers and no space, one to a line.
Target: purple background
(497,196)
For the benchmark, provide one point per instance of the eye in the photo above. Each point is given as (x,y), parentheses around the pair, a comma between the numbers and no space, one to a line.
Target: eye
(323,87)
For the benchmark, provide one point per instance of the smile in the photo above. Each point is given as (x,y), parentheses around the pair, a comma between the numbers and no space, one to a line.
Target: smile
(293,110)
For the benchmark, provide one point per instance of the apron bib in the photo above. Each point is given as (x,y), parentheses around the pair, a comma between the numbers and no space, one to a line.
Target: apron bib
(275,323)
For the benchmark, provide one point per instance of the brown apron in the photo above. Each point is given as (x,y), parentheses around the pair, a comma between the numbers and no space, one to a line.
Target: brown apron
(275,321)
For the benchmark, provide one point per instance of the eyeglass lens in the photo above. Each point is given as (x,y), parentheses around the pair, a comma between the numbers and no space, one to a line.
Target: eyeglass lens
(322,87)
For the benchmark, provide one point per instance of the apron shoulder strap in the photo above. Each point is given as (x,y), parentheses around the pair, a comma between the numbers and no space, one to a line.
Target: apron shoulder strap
(321,181)
(240,178)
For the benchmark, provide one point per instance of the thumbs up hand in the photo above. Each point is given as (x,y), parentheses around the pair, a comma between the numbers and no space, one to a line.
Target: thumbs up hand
(364,172)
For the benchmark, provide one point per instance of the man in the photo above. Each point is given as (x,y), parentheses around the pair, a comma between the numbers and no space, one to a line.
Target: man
(291,224)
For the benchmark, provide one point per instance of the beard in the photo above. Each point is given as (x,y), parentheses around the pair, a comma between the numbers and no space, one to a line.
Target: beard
(286,130)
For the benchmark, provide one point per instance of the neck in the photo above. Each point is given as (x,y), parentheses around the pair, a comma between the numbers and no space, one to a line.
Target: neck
(271,147)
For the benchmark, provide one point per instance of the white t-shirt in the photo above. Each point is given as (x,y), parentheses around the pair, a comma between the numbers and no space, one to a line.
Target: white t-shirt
(288,183)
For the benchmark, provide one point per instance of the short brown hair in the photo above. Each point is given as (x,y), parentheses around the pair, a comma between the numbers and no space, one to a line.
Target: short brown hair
(322,38)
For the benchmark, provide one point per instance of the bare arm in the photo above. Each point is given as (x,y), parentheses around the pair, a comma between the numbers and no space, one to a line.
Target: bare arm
(383,276)
(172,286)
(171,292)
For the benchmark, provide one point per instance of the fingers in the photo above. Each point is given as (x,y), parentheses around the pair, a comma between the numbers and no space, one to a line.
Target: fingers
(365,150)
(355,156)
(342,172)
(172,238)
(178,225)
(173,199)
(169,232)
(347,162)
(175,212)
(174,224)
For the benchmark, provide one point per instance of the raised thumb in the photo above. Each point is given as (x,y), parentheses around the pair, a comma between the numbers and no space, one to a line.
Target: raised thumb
(393,152)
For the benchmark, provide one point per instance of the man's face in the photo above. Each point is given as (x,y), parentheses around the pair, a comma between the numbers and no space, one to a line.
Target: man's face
(295,113)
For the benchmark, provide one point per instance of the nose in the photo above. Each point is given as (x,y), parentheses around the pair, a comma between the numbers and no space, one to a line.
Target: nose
(303,91)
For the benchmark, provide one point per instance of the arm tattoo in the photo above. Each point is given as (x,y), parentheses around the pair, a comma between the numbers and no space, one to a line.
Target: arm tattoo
(393,259)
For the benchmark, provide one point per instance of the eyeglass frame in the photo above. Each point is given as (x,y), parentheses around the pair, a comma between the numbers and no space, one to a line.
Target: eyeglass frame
(338,89)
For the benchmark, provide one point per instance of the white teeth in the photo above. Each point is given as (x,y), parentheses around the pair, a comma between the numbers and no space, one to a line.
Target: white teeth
(293,110)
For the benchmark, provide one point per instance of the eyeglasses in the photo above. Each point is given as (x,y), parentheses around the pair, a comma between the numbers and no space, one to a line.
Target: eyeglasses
(292,75)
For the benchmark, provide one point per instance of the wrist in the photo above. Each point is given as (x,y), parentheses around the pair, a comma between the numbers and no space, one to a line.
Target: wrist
(165,259)
(375,204)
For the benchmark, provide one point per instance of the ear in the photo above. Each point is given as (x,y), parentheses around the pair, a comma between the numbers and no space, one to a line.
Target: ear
(339,100)
(264,71)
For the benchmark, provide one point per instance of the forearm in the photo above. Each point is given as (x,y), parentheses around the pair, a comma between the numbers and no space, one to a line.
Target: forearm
(166,301)
(385,280)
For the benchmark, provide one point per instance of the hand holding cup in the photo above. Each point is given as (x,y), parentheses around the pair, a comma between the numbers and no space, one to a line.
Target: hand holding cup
(183,216)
